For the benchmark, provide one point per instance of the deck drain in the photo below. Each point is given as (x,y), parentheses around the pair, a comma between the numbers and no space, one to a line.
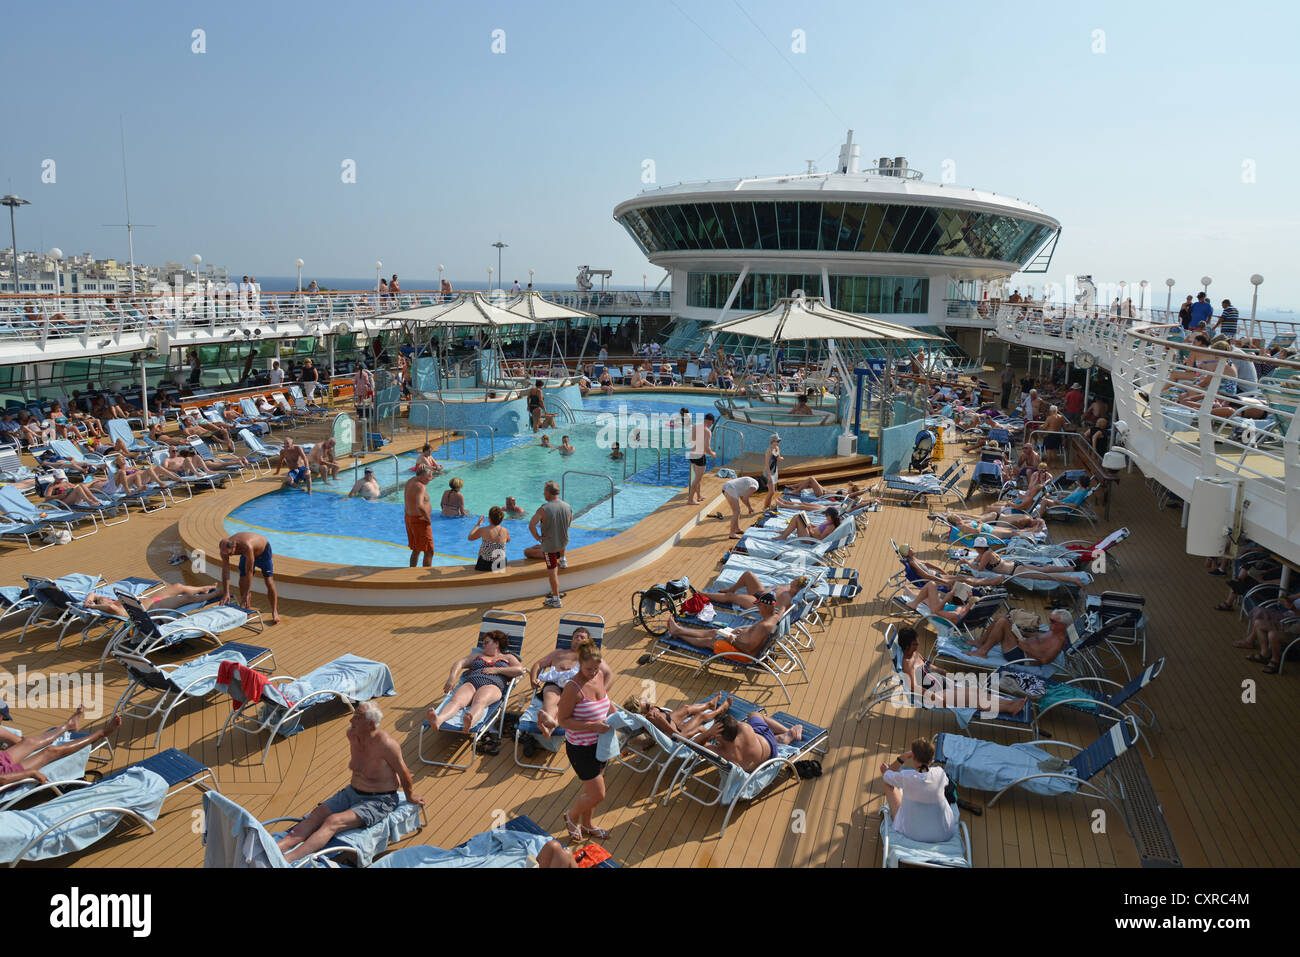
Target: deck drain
(1146,819)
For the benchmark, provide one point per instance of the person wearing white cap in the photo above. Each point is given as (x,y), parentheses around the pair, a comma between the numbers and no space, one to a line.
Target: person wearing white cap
(931,602)
(60,490)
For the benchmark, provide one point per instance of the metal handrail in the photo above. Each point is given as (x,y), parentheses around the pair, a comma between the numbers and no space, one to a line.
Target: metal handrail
(600,475)
(379,415)
(476,430)
(564,407)
(659,462)
(397,464)
(718,431)
(429,401)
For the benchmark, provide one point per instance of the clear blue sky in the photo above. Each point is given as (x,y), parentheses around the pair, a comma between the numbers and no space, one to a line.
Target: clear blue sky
(236,153)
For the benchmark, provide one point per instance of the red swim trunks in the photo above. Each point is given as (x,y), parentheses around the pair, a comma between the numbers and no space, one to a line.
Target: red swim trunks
(419,534)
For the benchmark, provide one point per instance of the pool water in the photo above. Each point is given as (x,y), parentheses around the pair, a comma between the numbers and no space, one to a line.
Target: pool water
(331,528)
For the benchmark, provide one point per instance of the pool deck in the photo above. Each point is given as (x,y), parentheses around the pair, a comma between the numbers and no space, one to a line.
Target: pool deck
(1223,770)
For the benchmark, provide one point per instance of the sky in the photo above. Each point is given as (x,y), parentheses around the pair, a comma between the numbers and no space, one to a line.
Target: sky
(1158,134)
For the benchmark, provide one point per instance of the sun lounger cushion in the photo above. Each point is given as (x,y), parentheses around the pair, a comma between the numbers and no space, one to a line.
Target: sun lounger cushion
(495,848)
(353,677)
(204,671)
(137,789)
(950,648)
(70,767)
(902,849)
(986,766)
(216,620)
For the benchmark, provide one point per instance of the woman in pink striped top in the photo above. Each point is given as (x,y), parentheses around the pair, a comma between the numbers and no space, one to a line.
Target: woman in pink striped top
(583,707)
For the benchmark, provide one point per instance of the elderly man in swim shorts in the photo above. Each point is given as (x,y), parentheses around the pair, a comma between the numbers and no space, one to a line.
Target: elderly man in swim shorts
(747,641)
(419,515)
(254,551)
(378,771)
(294,459)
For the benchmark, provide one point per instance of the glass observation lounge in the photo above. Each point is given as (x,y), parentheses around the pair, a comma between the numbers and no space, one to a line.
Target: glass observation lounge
(844,227)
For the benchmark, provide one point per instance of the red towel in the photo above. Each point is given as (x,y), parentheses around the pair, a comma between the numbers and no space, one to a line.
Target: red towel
(251,681)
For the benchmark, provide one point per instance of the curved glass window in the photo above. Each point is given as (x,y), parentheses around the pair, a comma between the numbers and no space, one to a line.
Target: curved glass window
(869,295)
(834,226)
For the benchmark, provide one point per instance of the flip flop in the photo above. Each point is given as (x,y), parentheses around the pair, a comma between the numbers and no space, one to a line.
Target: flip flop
(575,831)
(1259,659)
(1223,606)
(1271,668)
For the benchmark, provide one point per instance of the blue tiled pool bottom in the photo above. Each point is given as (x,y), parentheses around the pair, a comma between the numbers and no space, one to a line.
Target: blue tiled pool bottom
(329,528)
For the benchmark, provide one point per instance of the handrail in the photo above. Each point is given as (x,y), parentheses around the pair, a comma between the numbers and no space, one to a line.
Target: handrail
(379,415)
(397,464)
(429,401)
(477,430)
(659,462)
(564,407)
(564,478)
(718,431)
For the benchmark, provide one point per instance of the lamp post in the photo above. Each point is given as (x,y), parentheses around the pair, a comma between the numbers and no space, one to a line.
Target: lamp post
(440,268)
(196,259)
(298,263)
(1142,294)
(1169,297)
(489,288)
(57,255)
(378,266)
(13,202)
(1255,280)
(1205,284)
(499,245)
(530,278)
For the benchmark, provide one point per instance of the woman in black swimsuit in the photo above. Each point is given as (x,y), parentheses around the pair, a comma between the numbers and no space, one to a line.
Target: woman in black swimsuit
(486,674)
(771,471)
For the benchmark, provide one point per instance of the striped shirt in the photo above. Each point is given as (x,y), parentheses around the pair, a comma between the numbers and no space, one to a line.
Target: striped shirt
(590,711)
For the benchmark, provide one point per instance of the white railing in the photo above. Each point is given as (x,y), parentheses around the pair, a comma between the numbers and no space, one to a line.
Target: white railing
(1184,411)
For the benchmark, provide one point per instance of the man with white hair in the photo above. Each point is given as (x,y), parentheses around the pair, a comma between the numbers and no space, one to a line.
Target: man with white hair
(1041,647)
(377,772)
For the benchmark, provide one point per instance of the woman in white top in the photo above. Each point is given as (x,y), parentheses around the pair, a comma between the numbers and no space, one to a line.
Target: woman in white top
(735,491)
(915,794)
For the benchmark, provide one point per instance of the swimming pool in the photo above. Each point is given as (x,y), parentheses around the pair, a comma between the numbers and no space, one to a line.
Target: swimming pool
(331,528)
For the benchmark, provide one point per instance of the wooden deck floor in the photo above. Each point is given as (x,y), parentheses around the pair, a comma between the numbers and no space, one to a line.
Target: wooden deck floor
(1223,769)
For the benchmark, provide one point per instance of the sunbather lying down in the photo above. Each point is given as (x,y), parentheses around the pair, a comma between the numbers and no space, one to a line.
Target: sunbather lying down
(1042,646)
(688,720)
(751,742)
(735,596)
(987,560)
(169,596)
(820,491)
(25,755)
(1001,524)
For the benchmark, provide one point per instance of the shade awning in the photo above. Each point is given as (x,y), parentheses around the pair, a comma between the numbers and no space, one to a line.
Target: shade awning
(468,309)
(799,318)
(539,309)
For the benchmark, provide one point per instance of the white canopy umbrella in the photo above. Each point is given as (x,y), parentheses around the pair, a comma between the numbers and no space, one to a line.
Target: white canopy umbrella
(468,309)
(808,318)
(536,307)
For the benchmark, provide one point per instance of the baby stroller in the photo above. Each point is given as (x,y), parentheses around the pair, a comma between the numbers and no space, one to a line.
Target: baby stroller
(922,451)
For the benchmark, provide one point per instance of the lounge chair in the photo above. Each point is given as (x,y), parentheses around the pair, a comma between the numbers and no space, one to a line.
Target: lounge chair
(233,837)
(897,849)
(121,429)
(62,775)
(80,818)
(765,660)
(1079,659)
(259,453)
(167,627)
(60,603)
(985,766)
(348,679)
(160,689)
(212,480)
(893,688)
(19,516)
(527,725)
(300,406)
(508,846)
(709,779)
(918,488)
(513,624)
(829,549)
(210,460)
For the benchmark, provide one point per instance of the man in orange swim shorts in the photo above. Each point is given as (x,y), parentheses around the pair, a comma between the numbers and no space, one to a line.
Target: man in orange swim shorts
(419,511)
(743,641)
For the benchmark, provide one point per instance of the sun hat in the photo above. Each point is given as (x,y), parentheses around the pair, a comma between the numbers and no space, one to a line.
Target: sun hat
(981,542)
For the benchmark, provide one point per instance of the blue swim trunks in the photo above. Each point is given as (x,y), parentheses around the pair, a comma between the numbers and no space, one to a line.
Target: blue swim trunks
(763,731)
(262,562)
(298,475)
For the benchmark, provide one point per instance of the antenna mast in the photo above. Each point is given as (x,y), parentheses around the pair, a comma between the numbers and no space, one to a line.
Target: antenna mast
(130,239)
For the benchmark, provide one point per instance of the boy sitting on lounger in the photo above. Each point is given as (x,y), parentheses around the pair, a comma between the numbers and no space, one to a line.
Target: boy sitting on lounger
(746,641)
(377,772)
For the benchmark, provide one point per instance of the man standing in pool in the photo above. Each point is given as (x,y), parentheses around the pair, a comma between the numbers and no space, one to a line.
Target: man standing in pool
(419,516)
(294,459)
(254,551)
(700,447)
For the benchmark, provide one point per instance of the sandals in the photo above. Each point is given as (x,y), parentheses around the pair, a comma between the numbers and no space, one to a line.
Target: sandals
(599,833)
(575,831)
(1271,668)
(1224,606)
(1259,659)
